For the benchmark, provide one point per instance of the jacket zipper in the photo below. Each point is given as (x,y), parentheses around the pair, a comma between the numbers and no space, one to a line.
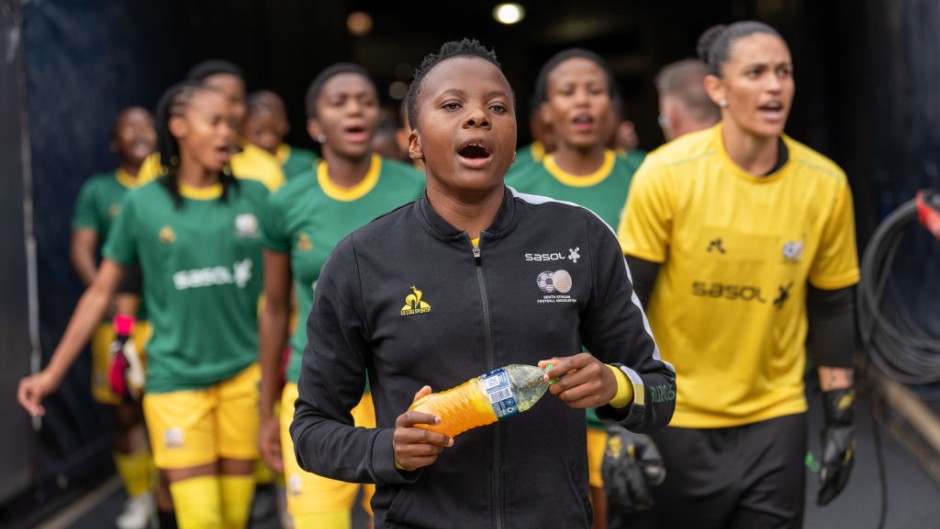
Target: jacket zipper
(496,481)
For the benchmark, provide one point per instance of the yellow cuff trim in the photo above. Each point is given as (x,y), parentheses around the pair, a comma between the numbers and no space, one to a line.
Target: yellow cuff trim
(624,395)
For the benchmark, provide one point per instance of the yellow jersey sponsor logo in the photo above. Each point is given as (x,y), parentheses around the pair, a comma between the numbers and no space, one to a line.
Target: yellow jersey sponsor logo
(167,235)
(414,304)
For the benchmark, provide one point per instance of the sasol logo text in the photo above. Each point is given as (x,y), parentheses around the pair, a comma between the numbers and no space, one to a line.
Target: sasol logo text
(726,291)
(239,274)
(539,257)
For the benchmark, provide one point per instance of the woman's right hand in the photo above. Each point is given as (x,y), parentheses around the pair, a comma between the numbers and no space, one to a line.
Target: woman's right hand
(33,389)
(416,447)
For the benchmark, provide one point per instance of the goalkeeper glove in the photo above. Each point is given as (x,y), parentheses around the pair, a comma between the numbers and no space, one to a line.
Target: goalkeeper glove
(838,443)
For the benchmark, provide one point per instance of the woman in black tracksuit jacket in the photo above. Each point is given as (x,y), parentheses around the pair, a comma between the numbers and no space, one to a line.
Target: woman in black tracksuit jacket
(469,278)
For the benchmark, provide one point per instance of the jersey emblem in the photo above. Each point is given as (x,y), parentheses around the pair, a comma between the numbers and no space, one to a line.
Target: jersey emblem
(295,485)
(246,225)
(573,254)
(783,296)
(716,245)
(174,438)
(303,243)
(792,252)
(414,304)
(113,211)
(556,286)
(167,236)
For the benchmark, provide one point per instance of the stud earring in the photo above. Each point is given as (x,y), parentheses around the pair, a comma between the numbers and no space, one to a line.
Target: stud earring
(723,103)
(321,138)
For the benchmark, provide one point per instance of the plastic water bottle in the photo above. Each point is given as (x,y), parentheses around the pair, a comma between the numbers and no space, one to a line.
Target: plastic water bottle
(485,399)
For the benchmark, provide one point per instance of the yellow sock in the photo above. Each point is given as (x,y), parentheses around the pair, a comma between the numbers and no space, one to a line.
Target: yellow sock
(198,502)
(341,519)
(135,471)
(237,492)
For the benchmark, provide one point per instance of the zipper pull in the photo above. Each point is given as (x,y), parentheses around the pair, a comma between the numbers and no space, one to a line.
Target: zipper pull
(476,255)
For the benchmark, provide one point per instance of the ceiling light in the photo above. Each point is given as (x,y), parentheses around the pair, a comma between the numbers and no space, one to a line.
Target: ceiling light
(359,23)
(508,13)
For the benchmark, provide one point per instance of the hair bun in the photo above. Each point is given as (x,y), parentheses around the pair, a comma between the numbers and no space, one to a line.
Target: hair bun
(707,39)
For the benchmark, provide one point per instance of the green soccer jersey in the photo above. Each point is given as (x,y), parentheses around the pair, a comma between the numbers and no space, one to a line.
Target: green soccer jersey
(202,269)
(526,157)
(604,192)
(310,215)
(296,161)
(99,203)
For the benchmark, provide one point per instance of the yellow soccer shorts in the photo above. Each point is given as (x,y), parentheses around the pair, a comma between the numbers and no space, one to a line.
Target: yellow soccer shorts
(309,493)
(596,443)
(190,428)
(101,342)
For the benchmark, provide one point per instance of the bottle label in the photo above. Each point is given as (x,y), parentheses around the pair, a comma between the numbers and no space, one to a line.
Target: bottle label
(497,388)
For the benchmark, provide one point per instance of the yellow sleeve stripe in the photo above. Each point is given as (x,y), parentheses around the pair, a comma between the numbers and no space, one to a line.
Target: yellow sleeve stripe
(625,389)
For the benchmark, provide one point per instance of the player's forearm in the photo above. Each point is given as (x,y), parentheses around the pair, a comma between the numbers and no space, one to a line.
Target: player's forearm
(88,313)
(274,322)
(83,262)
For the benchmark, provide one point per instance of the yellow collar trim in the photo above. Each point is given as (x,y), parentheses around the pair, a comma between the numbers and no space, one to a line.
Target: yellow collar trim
(737,170)
(201,193)
(125,179)
(348,194)
(581,181)
(538,151)
(283,153)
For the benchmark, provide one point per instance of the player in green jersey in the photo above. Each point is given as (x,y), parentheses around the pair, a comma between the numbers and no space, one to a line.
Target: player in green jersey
(98,205)
(577,91)
(306,218)
(266,125)
(576,95)
(195,234)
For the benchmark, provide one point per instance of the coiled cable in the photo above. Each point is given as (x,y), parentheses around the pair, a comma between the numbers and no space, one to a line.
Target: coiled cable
(890,334)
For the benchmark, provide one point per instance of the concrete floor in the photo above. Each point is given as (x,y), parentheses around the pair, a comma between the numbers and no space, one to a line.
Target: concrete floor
(913,496)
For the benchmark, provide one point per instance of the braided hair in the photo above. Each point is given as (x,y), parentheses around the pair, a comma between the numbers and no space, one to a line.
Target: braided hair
(449,50)
(173,103)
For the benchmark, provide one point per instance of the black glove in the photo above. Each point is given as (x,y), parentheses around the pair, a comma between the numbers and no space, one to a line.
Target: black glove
(838,443)
(630,466)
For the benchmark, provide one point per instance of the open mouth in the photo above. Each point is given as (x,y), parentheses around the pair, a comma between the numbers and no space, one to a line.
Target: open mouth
(356,133)
(772,111)
(772,106)
(583,122)
(474,151)
(224,152)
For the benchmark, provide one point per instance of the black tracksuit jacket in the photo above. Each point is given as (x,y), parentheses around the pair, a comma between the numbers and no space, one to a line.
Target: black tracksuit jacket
(408,300)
